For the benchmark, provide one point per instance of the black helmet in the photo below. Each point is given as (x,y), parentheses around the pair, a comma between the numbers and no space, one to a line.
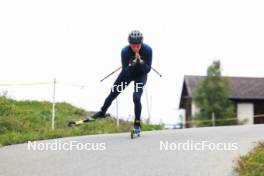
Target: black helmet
(135,37)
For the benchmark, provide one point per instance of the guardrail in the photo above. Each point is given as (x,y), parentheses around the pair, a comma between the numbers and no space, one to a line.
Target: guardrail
(213,121)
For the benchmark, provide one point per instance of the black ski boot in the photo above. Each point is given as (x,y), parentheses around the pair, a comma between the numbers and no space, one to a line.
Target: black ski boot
(99,114)
(71,123)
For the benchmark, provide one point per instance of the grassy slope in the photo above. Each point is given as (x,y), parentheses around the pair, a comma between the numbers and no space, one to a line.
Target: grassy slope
(251,164)
(21,121)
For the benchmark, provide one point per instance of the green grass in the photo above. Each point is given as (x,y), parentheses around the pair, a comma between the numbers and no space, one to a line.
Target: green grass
(252,164)
(21,121)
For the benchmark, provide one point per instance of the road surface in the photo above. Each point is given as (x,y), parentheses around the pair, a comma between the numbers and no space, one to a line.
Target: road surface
(156,153)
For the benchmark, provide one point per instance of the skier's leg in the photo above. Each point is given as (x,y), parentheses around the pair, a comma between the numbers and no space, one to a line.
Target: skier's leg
(138,90)
(119,85)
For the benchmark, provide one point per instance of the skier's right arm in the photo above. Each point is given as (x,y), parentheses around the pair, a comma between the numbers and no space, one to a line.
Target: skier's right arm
(125,63)
(126,68)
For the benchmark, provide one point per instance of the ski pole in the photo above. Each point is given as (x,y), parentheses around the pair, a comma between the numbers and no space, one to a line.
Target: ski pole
(156,71)
(121,67)
(111,74)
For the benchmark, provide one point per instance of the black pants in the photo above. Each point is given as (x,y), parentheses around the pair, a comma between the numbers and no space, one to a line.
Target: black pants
(120,84)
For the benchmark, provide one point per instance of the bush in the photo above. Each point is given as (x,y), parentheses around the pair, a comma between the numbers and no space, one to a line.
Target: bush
(6,107)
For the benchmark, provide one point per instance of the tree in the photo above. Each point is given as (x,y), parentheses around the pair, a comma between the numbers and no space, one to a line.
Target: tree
(212,97)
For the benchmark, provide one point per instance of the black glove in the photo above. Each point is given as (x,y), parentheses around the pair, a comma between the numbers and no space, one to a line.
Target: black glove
(140,61)
(132,62)
(136,60)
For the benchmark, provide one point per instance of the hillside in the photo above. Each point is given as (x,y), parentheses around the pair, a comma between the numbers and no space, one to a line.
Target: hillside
(21,121)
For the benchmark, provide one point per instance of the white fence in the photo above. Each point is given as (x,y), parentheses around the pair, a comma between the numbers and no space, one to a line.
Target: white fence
(54,84)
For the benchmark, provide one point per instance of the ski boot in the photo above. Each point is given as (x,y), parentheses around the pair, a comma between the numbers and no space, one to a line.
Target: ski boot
(71,123)
(99,114)
(136,130)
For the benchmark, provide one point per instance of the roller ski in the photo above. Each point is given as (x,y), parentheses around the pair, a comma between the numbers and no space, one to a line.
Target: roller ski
(87,119)
(79,122)
(135,132)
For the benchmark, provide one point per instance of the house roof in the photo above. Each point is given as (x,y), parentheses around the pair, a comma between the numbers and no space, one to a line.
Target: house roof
(239,87)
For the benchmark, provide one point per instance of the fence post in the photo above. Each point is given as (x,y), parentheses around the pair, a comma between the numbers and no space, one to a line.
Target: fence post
(117,115)
(213,118)
(53,105)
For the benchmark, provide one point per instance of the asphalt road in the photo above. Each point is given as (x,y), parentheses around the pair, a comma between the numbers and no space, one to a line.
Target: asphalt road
(118,155)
